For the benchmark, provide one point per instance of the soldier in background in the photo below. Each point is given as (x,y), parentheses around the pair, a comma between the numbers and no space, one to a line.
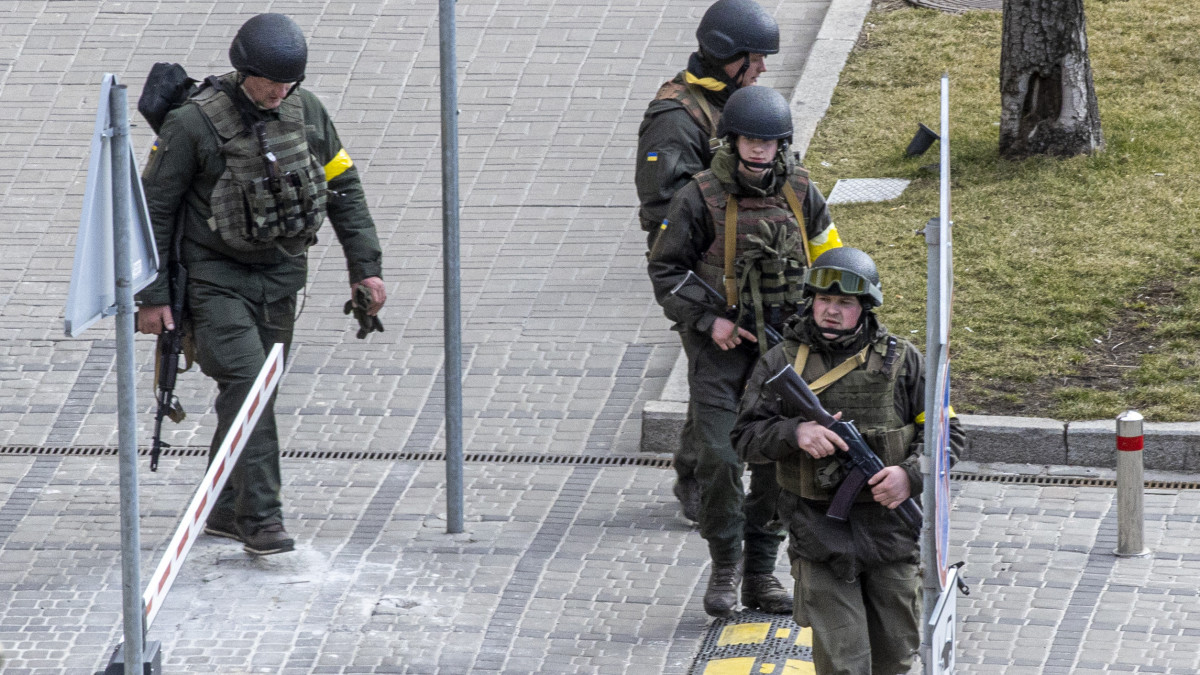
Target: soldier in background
(245,173)
(748,225)
(676,136)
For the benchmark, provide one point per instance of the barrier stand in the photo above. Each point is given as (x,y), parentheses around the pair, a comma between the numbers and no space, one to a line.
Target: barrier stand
(1130,521)
(206,496)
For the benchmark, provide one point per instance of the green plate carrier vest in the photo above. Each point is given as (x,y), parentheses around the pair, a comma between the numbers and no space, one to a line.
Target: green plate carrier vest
(866,396)
(252,210)
(770,254)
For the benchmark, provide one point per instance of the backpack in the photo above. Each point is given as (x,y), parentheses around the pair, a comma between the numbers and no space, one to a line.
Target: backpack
(167,87)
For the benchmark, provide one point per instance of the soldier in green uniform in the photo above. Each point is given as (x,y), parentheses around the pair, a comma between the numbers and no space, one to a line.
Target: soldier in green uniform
(245,172)
(858,582)
(676,136)
(747,226)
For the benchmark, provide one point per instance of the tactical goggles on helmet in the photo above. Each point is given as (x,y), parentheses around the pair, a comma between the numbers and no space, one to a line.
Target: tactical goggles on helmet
(849,283)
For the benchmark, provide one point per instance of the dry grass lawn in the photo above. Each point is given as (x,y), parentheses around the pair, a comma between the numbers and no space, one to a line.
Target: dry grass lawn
(1076,290)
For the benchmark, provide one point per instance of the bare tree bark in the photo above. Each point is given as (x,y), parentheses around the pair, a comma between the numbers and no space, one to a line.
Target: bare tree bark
(1047,99)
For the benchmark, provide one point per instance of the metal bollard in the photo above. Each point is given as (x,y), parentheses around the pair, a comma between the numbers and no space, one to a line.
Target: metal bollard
(1130,519)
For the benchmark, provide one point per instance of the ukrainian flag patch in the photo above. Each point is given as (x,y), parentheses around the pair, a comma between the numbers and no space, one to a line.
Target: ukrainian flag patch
(651,156)
(664,224)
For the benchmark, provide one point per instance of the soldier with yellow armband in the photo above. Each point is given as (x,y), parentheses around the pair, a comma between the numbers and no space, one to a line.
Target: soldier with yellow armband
(858,582)
(242,177)
(677,138)
(747,226)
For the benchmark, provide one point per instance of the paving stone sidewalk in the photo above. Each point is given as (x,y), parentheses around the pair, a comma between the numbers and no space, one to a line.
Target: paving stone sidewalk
(563,568)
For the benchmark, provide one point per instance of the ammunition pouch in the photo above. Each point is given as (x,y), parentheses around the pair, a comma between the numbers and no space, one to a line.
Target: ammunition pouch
(255,207)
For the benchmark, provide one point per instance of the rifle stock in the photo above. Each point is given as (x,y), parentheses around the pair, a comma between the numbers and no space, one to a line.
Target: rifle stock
(859,461)
(714,302)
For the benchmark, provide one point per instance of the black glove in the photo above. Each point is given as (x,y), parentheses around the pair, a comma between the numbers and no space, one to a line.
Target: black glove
(367,324)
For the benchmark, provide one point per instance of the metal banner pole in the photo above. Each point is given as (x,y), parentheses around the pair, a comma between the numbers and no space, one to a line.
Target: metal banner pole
(126,391)
(450,269)
(937,381)
(930,582)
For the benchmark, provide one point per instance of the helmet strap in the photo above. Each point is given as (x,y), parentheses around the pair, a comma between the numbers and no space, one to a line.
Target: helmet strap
(737,79)
(756,165)
(842,332)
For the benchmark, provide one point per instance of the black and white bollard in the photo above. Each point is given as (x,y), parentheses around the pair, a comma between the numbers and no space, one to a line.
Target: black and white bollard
(1130,483)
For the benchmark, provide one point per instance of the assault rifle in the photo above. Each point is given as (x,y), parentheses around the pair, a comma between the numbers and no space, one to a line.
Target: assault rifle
(859,461)
(715,302)
(169,347)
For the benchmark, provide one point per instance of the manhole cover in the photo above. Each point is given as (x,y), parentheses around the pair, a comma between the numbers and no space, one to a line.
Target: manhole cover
(959,6)
(859,190)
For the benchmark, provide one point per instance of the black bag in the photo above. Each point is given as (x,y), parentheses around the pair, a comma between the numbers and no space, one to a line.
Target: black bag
(167,87)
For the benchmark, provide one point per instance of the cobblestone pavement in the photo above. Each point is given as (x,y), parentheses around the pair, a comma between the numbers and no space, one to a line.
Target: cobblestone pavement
(562,344)
(570,568)
(554,292)
(561,569)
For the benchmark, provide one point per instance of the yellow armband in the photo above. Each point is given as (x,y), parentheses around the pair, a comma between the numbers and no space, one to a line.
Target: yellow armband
(823,242)
(338,165)
(921,418)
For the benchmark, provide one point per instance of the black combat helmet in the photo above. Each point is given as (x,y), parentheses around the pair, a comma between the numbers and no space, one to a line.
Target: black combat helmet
(851,270)
(756,112)
(270,46)
(734,27)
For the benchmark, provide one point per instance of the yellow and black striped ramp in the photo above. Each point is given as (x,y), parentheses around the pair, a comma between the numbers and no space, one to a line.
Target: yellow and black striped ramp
(752,643)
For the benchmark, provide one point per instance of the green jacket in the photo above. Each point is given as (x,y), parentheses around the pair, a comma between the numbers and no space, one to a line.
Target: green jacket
(673,146)
(183,168)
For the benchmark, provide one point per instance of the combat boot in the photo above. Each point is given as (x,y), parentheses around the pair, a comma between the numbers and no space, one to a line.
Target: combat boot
(687,491)
(721,595)
(269,539)
(764,592)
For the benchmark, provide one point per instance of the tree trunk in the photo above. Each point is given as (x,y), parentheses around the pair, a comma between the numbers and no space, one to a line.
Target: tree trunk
(1047,99)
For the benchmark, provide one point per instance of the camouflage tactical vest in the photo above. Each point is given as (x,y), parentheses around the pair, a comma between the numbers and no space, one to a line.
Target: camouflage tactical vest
(251,209)
(769,260)
(866,396)
(692,99)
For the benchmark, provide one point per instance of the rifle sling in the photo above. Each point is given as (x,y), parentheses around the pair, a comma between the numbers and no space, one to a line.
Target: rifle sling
(731,286)
(794,202)
(704,107)
(841,370)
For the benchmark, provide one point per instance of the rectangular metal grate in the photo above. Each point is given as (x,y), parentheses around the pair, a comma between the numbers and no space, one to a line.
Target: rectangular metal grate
(424,456)
(572,460)
(1068,481)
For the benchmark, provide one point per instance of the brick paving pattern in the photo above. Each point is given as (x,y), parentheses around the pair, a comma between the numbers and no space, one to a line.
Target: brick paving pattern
(562,568)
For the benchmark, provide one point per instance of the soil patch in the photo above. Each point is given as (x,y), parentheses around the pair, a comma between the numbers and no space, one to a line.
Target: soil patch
(1107,359)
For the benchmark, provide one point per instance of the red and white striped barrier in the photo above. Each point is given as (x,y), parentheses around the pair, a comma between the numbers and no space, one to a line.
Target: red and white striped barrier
(218,473)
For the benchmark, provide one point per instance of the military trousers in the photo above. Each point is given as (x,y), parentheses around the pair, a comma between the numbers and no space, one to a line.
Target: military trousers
(868,625)
(687,455)
(233,336)
(730,515)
